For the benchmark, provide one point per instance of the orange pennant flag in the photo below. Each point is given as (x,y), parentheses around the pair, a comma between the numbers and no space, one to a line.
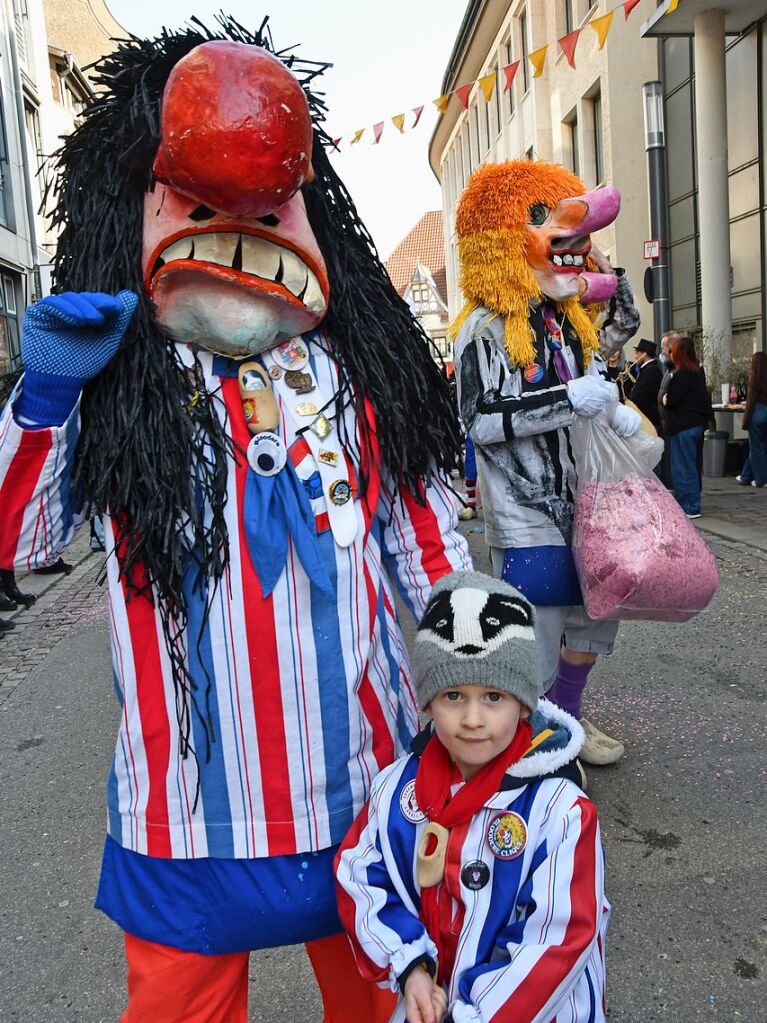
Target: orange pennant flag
(602,26)
(568,44)
(628,7)
(672,6)
(357,136)
(399,122)
(463,94)
(377,132)
(487,84)
(417,111)
(508,72)
(538,58)
(442,102)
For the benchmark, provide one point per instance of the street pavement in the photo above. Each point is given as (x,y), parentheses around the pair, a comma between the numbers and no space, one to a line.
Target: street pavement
(683,814)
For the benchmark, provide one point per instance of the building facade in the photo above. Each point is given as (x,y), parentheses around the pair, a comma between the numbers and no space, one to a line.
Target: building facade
(417,270)
(588,118)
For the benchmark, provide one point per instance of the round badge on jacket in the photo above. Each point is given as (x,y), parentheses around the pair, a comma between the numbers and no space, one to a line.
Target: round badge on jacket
(533,373)
(266,454)
(291,354)
(507,835)
(339,492)
(411,811)
(475,875)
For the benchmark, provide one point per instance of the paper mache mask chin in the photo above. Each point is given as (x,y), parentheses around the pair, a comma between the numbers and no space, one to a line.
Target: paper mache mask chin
(229,258)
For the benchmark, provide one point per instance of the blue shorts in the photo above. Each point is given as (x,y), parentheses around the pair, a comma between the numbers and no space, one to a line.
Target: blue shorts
(212,906)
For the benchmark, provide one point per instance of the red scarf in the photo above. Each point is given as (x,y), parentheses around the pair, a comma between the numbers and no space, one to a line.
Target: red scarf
(432,792)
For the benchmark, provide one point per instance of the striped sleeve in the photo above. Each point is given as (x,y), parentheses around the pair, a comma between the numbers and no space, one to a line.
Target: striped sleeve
(421,541)
(38,515)
(385,931)
(551,943)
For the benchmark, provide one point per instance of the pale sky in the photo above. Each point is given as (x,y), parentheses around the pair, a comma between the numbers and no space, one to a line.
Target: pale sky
(388,57)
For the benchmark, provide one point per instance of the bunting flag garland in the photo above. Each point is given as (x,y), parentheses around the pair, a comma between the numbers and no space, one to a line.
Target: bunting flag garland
(508,73)
(487,84)
(463,94)
(488,81)
(601,26)
(568,44)
(538,58)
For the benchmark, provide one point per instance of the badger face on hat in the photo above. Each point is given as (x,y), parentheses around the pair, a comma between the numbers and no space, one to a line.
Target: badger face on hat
(470,622)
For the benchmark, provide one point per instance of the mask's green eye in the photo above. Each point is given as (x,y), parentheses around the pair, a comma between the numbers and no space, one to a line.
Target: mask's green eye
(537,214)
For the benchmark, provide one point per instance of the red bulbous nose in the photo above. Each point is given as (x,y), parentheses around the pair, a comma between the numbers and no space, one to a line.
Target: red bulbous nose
(236,133)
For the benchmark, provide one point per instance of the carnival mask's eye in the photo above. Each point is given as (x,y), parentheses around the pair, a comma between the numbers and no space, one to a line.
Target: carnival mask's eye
(537,214)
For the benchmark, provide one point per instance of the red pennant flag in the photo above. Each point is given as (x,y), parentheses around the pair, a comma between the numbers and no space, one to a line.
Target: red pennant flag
(417,111)
(628,7)
(568,44)
(463,95)
(336,143)
(509,71)
(377,132)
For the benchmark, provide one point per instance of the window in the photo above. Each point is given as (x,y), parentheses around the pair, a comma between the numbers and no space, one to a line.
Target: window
(508,58)
(571,140)
(9,326)
(482,118)
(466,150)
(5,174)
(21,29)
(569,16)
(34,138)
(498,103)
(525,62)
(459,175)
(599,155)
(474,136)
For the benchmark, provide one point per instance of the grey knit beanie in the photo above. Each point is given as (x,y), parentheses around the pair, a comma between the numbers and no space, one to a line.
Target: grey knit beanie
(476,631)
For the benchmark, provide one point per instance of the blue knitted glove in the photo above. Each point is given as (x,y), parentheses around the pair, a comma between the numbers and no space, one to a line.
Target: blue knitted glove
(67,340)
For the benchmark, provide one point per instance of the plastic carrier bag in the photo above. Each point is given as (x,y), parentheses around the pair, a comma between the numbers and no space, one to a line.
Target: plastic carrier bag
(636,553)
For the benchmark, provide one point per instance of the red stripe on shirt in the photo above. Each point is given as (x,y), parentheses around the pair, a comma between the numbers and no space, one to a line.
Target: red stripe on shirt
(434,561)
(264,662)
(18,487)
(557,961)
(153,713)
(450,890)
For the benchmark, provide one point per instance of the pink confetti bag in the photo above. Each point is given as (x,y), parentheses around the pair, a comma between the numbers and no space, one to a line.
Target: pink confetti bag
(636,553)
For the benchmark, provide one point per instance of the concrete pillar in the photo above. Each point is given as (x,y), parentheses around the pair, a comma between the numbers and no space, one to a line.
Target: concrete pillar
(713,198)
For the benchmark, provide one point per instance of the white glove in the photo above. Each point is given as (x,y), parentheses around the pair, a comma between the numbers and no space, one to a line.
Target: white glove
(625,421)
(589,395)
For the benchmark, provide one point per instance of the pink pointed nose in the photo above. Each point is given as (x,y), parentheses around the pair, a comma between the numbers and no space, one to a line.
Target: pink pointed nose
(600,208)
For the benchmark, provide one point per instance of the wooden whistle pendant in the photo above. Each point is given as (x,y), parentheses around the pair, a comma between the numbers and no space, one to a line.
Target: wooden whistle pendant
(430,866)
(259,404)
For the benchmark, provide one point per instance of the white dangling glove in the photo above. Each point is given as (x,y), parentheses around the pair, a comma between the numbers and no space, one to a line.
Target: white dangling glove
(589,395)
(624,420)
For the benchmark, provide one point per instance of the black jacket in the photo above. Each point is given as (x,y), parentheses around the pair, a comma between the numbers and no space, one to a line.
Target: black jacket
(688,402)
(644,393)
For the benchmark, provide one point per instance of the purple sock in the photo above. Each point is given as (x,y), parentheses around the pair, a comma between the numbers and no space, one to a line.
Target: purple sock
(568,685)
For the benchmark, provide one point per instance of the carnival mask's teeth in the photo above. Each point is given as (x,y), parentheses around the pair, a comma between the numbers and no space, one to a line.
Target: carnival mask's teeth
(254,256)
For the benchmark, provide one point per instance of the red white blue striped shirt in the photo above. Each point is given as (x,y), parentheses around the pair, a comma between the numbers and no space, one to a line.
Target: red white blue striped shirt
(527,946)
(310,697)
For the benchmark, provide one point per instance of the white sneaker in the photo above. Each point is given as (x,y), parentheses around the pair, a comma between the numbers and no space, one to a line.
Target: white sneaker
(599,749)
(693,515)
(467,513)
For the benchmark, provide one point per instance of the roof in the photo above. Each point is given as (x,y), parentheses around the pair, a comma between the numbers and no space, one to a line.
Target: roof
(424,244)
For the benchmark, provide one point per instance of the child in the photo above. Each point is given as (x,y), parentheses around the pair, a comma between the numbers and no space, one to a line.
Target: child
(472,881)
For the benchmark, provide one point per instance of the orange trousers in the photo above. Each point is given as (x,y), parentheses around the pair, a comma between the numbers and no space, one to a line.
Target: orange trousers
(166,985)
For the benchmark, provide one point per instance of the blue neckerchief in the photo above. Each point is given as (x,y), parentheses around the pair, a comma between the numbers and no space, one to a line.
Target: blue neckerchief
(275,506)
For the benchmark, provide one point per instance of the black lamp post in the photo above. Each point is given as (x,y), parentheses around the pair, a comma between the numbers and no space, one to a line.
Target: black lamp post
(655,145)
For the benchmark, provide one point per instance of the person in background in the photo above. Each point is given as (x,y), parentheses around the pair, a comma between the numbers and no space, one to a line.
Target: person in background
(644,393)
(755,420)
(666,366)
(687,406)
(470,480)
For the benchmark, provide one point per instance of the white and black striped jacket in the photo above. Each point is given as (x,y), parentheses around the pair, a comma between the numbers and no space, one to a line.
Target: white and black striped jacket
(520,428)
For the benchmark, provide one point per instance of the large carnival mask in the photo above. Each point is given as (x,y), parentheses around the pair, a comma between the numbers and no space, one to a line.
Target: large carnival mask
(229,258)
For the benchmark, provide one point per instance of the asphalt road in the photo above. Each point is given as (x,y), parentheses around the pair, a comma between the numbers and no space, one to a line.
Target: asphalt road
(683,816)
